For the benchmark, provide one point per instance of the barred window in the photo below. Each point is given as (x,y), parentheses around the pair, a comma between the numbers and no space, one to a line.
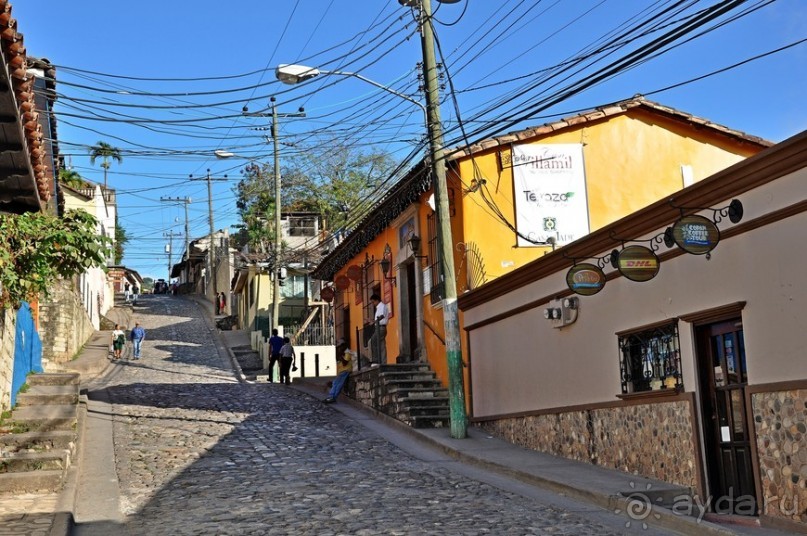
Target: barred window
(437,283)
(650,359)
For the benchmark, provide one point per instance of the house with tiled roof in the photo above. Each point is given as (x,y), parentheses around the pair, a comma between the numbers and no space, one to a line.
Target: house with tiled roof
(513,199)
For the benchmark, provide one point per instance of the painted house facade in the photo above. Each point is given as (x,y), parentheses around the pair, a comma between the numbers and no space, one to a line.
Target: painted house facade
(600,165)
(691,370)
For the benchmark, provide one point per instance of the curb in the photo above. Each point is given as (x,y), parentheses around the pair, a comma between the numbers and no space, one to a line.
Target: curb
(63,520)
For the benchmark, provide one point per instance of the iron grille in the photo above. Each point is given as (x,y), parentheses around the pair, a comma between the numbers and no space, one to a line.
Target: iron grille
(651,359)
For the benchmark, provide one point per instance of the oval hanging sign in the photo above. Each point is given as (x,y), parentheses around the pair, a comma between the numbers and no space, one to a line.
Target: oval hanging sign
(354,272)
(585,279)
(696,234)
(638,263)
(326,294)
(341,282)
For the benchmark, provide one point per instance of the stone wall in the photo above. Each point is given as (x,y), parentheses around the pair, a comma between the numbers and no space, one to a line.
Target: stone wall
(651,440)
(8,328)
(780,419)
(64,325)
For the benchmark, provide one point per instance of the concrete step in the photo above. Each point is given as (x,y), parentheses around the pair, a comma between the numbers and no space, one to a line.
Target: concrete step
(59,378)
(398,385)
(58,439)
(429,422)
(408,375)
(429,411)
(405,367)
(424,401)
(46,418)
(12,484)
(49,395)
(23,461)
(410,393)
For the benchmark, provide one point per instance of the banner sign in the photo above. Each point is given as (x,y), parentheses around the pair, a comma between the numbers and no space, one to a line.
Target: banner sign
(550,191)
(585,279)
(696,234)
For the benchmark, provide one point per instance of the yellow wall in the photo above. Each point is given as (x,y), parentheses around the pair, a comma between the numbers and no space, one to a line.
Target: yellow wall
(631,161)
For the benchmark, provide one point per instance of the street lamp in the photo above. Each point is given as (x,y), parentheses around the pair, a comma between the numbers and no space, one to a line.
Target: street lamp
(292,74)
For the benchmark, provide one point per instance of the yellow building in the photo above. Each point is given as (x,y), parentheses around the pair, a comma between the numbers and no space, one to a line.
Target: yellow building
(512,199)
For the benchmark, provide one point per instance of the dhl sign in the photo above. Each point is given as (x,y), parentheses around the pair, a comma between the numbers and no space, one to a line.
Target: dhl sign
(637,263)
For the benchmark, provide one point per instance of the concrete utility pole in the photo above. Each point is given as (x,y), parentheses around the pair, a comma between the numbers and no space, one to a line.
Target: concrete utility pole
(211,249)
(445,243)
(186,201)
(170,236)
(278,239)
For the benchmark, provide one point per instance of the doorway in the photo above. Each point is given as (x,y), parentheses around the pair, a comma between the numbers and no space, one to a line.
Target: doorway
(723,381)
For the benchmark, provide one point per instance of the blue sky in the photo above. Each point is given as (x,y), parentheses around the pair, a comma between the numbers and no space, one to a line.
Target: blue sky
(222,56)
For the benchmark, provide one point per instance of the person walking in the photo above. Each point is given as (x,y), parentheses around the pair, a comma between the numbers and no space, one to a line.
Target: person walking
(275,345)
(118,340)
(287,359)
(137,336)
(222,301)
(344,366)
(135,293)
(126,290)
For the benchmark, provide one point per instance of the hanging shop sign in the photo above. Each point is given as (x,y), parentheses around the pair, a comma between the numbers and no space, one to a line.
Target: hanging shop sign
(585,279)
(636,263)
(326,294)
(695,234)
(342,282)
(354,272)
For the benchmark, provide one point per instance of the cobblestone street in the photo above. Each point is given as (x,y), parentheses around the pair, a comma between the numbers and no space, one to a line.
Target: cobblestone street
(197,452)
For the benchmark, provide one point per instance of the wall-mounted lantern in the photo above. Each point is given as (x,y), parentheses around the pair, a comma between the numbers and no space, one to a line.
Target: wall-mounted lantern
(386,265)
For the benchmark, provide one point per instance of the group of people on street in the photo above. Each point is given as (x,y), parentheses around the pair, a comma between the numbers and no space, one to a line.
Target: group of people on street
(137,335)
(282,352)
(131,292)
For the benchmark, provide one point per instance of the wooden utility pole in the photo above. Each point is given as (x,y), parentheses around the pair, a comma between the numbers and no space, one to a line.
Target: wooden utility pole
(186,201)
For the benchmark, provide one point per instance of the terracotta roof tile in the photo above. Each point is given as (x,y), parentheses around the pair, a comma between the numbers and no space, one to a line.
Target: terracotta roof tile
(14,53)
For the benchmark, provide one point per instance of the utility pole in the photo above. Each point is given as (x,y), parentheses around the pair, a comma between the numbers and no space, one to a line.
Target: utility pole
(445,243)
(211,249)
(186,201)
(277,245)
(170,236)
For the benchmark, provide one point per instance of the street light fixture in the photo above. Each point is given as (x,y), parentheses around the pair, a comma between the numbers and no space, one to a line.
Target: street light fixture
(292,74)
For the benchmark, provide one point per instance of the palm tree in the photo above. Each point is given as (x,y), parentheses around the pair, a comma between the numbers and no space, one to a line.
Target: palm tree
(105,151)
(71,178)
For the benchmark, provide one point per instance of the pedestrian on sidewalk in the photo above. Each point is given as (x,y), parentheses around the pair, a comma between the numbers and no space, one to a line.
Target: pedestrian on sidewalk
(344,366)
(126,291)
(137,335)
(222,302)
(118,340)
(379,339)
(135,293)
(275,344)
(287,360)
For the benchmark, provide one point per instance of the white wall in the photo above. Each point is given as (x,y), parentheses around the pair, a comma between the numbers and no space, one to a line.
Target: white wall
(521,363)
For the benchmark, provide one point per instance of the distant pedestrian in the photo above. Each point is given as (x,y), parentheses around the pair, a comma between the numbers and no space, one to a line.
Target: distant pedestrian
(135,293)
(379,339)
(137,335)
(344,366)
(287,360)
(118,341)
(126,290)
(275,345)
(222,301)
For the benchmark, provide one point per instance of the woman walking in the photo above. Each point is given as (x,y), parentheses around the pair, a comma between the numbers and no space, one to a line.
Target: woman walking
(118,340)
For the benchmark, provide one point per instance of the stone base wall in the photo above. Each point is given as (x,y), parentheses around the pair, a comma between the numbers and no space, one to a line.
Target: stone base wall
(64,325)
(8,332)
(780,419)
(651,440)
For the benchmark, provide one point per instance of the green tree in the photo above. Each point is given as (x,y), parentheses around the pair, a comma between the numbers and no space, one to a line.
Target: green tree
(105,151)
(121,239)
(37,248)
(255,202)
(71,178)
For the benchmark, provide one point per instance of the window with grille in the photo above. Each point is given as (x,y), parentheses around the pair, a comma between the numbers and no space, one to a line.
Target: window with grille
(434,265)
(302,226)
(650,359)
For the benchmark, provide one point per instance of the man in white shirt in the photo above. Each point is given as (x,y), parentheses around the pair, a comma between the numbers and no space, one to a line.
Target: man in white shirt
(380,333)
